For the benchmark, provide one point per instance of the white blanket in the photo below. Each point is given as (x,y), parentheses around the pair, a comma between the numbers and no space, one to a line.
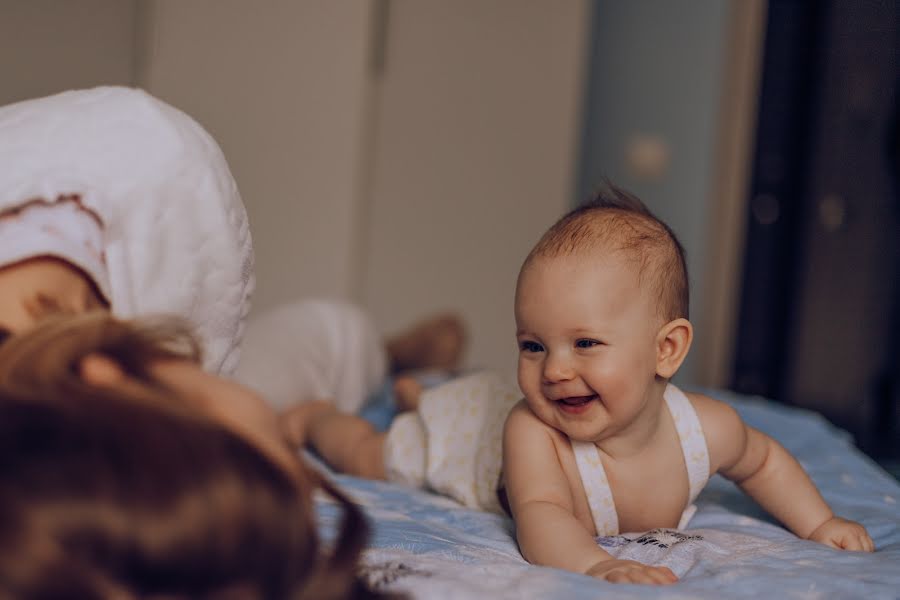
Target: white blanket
(176,238)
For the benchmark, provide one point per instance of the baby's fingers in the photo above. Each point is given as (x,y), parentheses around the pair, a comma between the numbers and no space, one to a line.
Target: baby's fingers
(629,571)
(843,535)
(854,542)
(860,542)
(663,575)
(639,576)
(646,576)
(624,577)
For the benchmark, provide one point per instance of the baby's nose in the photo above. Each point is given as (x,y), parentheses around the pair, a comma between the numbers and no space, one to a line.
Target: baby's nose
(557,368)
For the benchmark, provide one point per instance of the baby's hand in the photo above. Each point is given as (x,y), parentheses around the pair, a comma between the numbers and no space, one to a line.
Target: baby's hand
(843,534)
(629,571)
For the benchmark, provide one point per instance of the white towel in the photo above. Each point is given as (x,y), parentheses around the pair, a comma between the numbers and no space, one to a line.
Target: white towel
(175,233)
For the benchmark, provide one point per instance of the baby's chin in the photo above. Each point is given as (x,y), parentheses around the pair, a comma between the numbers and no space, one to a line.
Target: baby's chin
(594,430)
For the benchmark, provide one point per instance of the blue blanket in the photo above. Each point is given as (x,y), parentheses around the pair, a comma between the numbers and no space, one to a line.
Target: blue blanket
(431,547)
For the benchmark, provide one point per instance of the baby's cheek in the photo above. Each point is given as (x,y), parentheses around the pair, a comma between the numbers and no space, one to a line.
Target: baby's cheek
(526,374)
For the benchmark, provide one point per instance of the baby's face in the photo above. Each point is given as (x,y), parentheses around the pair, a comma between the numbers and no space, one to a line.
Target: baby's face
(587,344)
(44,284)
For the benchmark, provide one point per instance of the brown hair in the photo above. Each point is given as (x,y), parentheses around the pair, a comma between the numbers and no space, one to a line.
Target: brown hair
(617,220)
(105,494)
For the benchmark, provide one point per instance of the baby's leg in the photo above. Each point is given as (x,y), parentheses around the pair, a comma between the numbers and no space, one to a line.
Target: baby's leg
(347,443)
(408,388)
(407,392)
(437,342)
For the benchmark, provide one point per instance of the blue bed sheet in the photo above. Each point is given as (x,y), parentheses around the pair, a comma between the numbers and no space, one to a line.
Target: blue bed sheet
(431,547)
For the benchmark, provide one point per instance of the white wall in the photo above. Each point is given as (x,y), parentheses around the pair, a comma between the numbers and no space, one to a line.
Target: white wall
(49,46)
(282,86)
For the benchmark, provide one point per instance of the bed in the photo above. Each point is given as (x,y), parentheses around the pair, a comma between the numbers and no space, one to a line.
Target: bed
(431,547)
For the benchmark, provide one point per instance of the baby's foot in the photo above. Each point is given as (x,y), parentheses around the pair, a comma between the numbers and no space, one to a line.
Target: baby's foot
(407,391)
(296,422)
(437,342)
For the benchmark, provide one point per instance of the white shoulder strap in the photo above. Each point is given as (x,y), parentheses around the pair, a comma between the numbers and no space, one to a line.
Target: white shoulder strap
(596,486)
(693,443)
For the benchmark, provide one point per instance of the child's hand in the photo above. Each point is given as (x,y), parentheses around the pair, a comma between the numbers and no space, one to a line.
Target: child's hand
(843,534)
(629,571)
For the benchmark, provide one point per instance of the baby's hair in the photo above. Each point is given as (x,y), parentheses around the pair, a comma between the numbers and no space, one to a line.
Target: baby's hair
(617,220)
(129,493)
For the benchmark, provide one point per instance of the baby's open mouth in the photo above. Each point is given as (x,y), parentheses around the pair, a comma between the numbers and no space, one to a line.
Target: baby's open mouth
(576,401)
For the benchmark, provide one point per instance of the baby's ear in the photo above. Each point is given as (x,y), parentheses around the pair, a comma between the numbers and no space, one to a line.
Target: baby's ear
(100,371)
(672,344)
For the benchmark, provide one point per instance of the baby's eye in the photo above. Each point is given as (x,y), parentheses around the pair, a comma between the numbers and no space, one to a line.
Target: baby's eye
(529,346)
(587,343)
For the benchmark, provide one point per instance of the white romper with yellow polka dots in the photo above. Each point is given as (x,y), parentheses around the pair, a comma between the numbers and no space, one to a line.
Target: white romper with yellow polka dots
(452,444)
(696,458)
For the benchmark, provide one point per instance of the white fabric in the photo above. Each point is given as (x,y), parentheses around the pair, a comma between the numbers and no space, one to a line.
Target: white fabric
(693,446)
(696,459)
(596,488)
(62,229)
(405,450)
(458,430)
(313,350)
(175,233)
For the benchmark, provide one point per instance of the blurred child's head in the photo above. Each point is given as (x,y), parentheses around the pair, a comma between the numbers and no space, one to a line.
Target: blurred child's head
(119,480)
(33,288)
(51,258)
(601,313)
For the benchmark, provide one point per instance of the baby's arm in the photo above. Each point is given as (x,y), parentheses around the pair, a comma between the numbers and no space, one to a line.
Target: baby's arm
(541,502)
(772,476)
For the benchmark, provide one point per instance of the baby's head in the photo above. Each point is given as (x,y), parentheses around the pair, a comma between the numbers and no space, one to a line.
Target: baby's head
(601,313)
(617,224)
(51,261)
(35,288)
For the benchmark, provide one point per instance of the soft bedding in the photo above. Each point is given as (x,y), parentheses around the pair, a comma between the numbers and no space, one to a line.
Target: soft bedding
(431,547)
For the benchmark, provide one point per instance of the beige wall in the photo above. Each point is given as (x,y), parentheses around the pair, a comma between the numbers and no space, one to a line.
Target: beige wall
(735,134)
(48,46)
(412,186)
(282,86)
(475,151)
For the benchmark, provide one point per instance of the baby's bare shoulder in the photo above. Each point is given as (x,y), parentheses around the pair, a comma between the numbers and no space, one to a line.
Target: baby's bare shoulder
(723,428)
(531,463)
(522,423)
(521,419)
(712,411)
